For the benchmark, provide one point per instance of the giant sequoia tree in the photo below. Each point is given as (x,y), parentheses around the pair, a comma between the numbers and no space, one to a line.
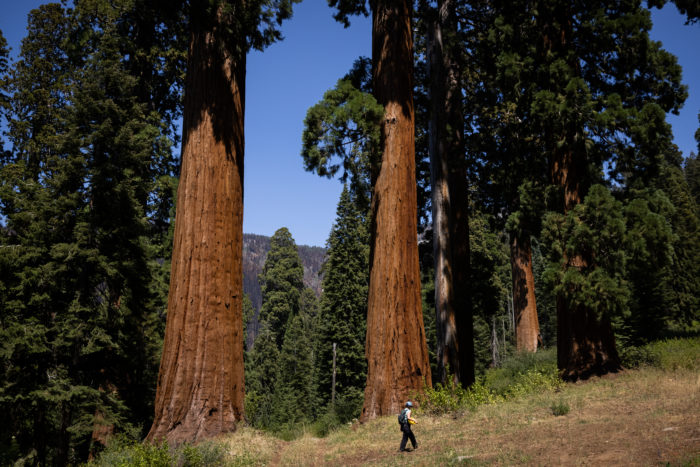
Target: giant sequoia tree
(396,351)
(603,90)
(200,386)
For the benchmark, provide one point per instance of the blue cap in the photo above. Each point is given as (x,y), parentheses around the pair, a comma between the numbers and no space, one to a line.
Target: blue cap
(409,404)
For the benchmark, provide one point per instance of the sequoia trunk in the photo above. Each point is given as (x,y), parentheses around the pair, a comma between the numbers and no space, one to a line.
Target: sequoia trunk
(396,351)
(449,203)
(200,385)
(527,326)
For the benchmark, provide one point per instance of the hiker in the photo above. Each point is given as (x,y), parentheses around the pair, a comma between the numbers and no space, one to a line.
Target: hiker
(406,421)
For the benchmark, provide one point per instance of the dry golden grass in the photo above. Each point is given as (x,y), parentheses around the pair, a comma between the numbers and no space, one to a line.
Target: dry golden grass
(640,417)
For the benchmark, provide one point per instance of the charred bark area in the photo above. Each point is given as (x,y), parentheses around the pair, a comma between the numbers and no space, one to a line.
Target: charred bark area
(527,326)
(200,385)
(449,203)
(396,351)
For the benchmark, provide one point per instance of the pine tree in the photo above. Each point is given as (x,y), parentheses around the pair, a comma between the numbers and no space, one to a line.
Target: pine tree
(295,392)
(343,310)
(261,378)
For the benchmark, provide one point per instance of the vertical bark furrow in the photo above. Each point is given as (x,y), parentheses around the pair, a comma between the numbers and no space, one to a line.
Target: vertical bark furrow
(395,347)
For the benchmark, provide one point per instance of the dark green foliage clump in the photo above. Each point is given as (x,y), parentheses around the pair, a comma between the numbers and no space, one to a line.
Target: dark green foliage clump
(344,308)
(86,196)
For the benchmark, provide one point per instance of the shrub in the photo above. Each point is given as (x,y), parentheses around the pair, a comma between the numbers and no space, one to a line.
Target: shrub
(671,354)
(452,397)
(524,373)
(560,408)
(124,452)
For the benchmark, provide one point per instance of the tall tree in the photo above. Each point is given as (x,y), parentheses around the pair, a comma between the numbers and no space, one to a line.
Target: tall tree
(200,386)
(295,391)
(603,90)
(396,351)
(454,322)
(344,306)
(76,193)
(281,281)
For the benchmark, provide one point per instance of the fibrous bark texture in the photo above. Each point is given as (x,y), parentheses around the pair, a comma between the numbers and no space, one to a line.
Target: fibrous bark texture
(449,203)
(397,355)
(527,326)
(200,385)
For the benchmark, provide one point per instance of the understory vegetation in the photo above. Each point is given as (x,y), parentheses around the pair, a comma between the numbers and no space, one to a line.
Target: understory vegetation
(525,384)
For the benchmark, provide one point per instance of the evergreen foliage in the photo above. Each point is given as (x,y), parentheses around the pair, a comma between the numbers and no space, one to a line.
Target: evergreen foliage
(343,131)
(81,326)
(281,281)
(343,305)
(596,226)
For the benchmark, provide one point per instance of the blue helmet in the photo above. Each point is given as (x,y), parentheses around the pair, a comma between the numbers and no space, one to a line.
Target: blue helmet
(409,404)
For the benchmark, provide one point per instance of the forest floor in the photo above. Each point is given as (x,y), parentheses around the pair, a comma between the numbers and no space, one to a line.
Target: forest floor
(637,417)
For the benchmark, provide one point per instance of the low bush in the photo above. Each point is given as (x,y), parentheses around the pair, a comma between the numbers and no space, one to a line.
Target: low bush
(122,452)
(522,374)
(671,354)
(560,408)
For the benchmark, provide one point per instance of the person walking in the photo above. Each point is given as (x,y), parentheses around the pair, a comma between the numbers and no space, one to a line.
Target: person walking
(405,420)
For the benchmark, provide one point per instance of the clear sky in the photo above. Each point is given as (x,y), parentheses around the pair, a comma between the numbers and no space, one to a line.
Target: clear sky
(290,76)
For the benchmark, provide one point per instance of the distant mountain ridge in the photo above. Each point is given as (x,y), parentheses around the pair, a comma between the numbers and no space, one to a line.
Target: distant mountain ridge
(255,249)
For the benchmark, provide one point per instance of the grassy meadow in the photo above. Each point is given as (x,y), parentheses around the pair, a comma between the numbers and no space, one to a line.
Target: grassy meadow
(520,414)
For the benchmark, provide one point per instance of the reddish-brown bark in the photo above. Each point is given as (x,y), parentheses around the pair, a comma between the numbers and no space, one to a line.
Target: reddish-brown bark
(397,355)
(200,385)
(449,203)
(527,326)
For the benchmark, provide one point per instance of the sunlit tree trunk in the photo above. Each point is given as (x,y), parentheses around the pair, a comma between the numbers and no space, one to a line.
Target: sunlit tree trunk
(527,326)
(396,351)
(449,202)
(200,385)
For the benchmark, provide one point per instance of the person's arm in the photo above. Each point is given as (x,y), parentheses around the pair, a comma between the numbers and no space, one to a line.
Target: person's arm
(410,419)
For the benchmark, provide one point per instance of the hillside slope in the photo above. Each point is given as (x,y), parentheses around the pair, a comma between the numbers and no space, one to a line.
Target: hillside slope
(638,417)
(255,248)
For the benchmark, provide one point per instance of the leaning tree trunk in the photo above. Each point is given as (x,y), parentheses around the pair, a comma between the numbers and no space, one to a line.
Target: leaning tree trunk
(396,351)
(200,385)
(449,203)
(585,340)
(527,326)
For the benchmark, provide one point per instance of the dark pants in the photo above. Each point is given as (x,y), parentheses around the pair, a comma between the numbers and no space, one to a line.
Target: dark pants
(407,434)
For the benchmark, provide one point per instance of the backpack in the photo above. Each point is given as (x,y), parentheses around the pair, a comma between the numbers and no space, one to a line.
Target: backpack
(402,417)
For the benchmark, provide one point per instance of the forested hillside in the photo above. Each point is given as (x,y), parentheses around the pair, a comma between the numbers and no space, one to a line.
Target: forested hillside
(255,248)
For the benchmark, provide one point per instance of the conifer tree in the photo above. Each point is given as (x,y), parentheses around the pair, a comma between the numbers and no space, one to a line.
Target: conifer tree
(343,309)
(295,392)
(76,192)
(448,173)
(395,346)
(587,109)
(261,378)
(281,281)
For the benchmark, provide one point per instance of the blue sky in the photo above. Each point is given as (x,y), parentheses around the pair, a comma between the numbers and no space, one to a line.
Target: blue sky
(290,76)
